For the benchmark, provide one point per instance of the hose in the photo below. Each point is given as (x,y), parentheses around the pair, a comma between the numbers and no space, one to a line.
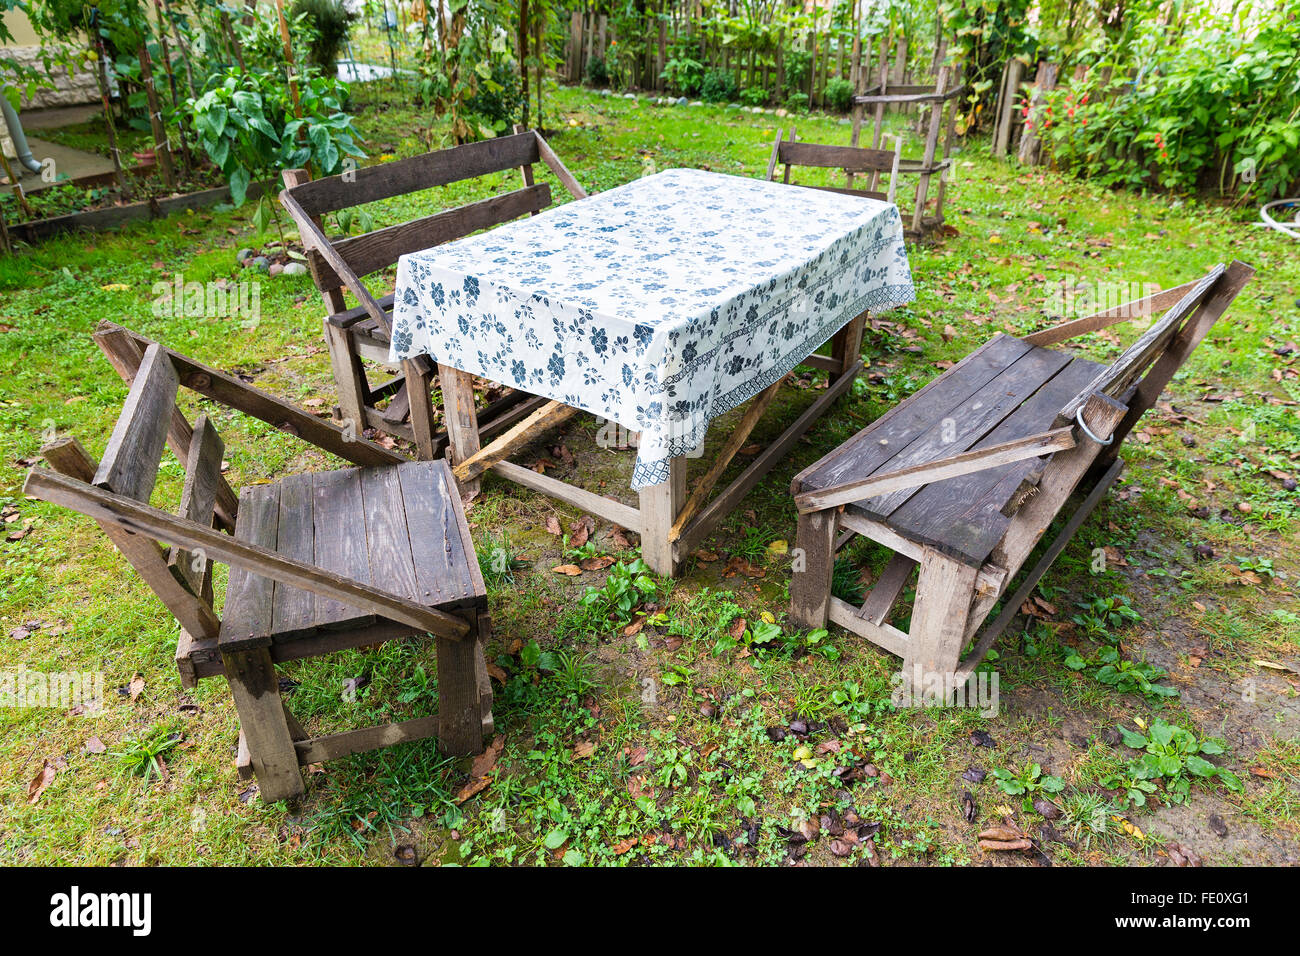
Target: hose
(16,134)
(1291,229)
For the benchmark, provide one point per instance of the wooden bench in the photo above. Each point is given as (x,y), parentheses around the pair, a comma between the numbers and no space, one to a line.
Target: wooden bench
(853,160)
(362,333)
(319,562)
(962,479)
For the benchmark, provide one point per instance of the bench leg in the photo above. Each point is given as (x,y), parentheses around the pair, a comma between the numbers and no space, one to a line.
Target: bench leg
(460,707)
(811,571)
(461,417)
(659,507)
(349,377)
(944,592)
(264,722)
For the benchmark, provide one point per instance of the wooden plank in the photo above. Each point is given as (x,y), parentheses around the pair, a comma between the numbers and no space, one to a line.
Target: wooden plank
(1011,607)
(381,248)
(249,620)
(530,429)
(845,615)
(659,506)
(855,159)
(556,166)
(1138,308)
(198,499)
(774,158)
(143,519)
(885,592)
(293,609)
(955,430)
(870,448)
(333,746)
(966,517)
(387,540)
(445,569)
(195,614)
(255,688)
(1180,348)
(731,496)
(953,466)
(1123,372)
(944,591)
(395,178)
(124,351)
(339,538)
(460,417)
(233,393)
(735,441)
(810,585)
(623,515)
(130,463)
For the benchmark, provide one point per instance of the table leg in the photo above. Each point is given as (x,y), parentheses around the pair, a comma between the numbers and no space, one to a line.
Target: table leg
(659,507)
(461,418)
(846,346)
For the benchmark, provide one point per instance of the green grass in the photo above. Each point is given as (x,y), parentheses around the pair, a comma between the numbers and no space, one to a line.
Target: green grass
(672,744)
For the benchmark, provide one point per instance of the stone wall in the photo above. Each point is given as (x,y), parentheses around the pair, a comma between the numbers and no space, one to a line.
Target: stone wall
(68,90)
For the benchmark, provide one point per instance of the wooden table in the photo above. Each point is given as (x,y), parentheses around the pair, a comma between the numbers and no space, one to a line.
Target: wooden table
(658,305)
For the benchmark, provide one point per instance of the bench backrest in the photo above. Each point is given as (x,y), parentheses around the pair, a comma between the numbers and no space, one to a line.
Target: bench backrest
(339,263)
(1142,371)
(852,159)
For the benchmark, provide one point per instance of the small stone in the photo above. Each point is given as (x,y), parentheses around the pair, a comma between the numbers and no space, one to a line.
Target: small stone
(697,102)
(1289,484)
(294,269)
(682,101)
(276,268)
(262,264)
(1217,825)
(244,255)
(629,96)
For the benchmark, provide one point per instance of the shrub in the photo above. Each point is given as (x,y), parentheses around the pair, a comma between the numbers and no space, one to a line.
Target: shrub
(839,94)
(719,86)
(754,96)
(497,98)
(330,21)
(797,102)
(683,75)
(597,71)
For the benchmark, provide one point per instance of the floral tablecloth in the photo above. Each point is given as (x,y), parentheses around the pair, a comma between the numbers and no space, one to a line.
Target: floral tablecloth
(657,305)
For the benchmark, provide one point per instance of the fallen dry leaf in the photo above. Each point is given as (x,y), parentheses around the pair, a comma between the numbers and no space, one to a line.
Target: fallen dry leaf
(40,782)
(136,686)
(572,570)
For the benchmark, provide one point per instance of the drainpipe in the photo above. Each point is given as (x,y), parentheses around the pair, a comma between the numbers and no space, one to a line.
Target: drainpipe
(16,134)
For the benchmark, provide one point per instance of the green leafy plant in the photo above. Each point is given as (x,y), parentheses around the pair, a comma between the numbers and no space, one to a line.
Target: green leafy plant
(839,94)
(1124,675)
(1027,782)
(1171,757)
(141,756)
(626,587)
(718,86)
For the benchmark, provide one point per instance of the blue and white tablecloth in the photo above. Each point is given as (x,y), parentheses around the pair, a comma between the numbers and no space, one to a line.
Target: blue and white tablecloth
(657,305)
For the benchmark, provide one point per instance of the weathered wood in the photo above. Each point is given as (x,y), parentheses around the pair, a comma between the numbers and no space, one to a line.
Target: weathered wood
(730,497)
(256,690)
(950,466)
(1011,607)
(735,441)
(140,518)
(1126,312)
(293,610)
(233,393)
(381,248)
(461,418)
(659,506)
(623,515)
(1124,371)
(249,620)
(888,588)
(196,615)
(854,159)
(846,345)
(944,591)
(887,636)
(401,176)
(420,401)
(530,429)
(334,746)
(810,585)
(556,166)
(130,463)
(124,351)
(198,499)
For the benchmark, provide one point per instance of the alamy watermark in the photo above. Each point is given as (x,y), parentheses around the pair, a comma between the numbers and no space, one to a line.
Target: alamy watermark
(208,300)
(21,687)
(922,688)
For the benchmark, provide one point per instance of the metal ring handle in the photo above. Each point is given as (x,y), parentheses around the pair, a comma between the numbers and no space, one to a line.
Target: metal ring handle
(1078,417)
